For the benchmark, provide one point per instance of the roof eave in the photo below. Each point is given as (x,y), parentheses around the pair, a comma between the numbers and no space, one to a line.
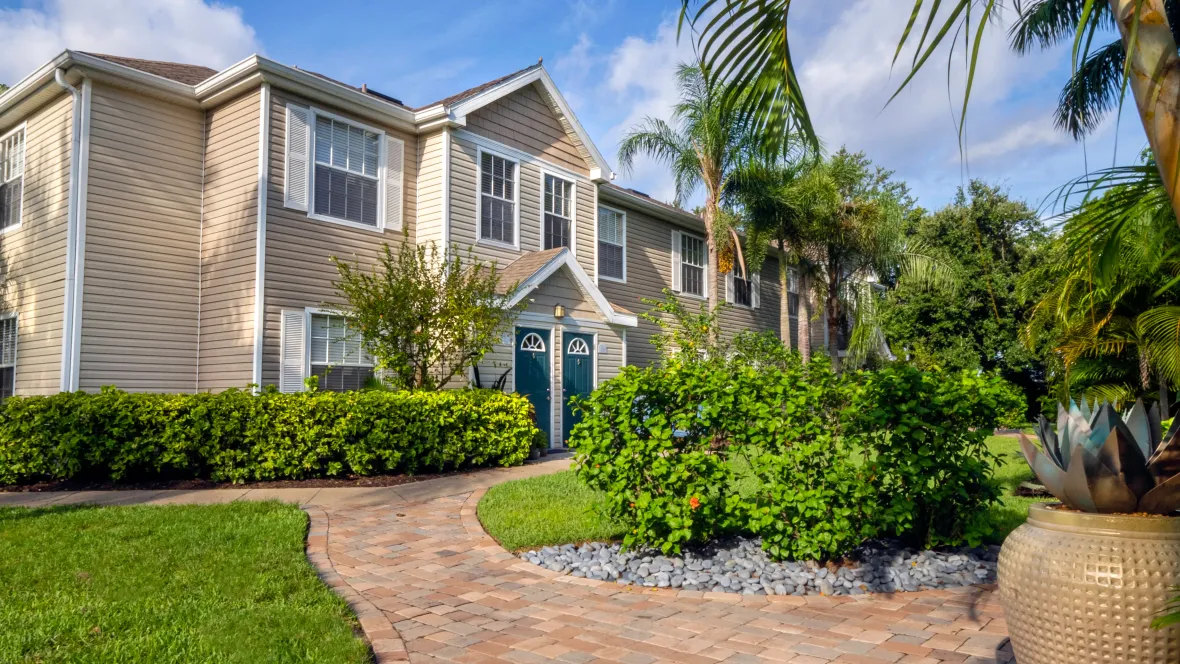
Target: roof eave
(682,217)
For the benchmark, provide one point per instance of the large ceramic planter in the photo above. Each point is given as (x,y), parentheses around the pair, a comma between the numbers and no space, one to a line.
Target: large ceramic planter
(1079,588)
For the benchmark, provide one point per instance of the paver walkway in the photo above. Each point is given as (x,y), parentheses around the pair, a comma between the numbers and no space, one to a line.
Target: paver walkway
(428,585)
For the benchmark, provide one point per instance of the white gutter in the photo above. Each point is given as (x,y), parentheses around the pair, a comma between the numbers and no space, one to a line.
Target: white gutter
(67,329)
(260,238)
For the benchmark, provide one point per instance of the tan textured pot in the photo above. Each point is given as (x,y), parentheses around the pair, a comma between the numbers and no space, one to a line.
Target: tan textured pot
(1079,588)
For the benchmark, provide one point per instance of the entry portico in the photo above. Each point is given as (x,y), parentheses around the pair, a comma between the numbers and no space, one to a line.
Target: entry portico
(567,340)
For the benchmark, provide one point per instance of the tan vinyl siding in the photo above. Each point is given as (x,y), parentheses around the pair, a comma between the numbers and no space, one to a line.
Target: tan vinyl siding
(465,193)
(299,269)
(143,226)
(561,289)
(649,272)
(34,254)
(227,244)
(430,192)
(525,121)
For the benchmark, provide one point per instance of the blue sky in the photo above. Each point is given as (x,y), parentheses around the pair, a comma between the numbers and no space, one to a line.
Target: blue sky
(613,60)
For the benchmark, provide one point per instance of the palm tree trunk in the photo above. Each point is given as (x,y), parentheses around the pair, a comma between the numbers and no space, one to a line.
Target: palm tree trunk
(803,317)
(1155,82)
(712,279)
(784,304)
(832,312)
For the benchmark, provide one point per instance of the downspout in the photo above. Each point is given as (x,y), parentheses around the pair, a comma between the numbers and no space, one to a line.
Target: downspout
(80,240)
(260,239)
(71,228)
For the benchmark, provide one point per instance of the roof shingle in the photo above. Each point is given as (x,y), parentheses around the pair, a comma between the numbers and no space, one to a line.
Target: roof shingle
(471,92)
(174,71)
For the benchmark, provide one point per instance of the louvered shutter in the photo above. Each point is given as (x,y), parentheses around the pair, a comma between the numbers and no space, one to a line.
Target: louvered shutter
(394,166)
(729,287)
(676,261)
(297,161)
(755,287)
(293,342)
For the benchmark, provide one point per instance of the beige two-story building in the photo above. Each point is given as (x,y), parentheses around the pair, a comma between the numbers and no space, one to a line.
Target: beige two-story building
(168,227)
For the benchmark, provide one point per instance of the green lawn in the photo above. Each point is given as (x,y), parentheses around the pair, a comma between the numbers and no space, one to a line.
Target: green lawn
(557,509)
(221,583)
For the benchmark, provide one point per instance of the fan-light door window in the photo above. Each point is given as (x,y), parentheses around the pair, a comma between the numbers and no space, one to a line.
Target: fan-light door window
(693,263)
(346,171)
(337,355)
(612,230)
(559,206)
(497,205)
(12,177)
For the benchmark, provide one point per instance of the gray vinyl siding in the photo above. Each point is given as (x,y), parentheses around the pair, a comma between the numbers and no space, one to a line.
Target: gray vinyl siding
(143,232)
(525,121)
(464,220)
(228,244)
(33,255)
(299,249)
(561,289)
(649,272)
(430,192)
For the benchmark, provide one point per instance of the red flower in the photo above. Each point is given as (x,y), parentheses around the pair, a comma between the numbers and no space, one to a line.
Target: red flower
(694,503)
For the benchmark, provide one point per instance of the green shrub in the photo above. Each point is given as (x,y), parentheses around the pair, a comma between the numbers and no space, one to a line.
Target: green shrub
(238,436)
(834,459)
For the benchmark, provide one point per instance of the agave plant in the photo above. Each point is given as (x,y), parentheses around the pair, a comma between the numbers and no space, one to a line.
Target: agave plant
(1097,461)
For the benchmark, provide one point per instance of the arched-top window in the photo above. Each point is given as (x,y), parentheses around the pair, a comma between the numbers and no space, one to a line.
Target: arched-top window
(533,342)
(577,347)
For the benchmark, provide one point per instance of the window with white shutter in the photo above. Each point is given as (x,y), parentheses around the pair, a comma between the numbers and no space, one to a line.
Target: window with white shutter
(742,292)
(337,354)
(612,244)
(558,213)
(298,145)
(7,356)
(693,264)
(12,177)
(293,349)
(497,198)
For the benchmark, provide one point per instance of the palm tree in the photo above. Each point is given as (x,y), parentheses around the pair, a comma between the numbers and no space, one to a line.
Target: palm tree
(746,44)
(702,150)
(777,198)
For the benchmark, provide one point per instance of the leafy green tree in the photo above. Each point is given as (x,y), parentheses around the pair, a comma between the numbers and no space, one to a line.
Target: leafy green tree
(425,318)
(992,240)
(702,150)
(3,88)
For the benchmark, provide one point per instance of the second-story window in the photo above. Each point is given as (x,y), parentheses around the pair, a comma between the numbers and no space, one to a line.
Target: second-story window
(612,229)
(692,265)
(346,183)
(742,293)
(497,186)
(559,206)
(12,172)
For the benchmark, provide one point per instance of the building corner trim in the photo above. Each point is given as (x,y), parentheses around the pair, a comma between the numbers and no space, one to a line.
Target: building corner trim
(260,239)
(80,240)
(446,178)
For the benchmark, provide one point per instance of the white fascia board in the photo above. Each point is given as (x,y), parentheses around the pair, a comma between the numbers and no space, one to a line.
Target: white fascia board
(684,217)
(565,258)
(33,82)
(601,170)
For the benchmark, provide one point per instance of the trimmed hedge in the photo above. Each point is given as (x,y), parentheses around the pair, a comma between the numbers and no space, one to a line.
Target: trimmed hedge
(238,436)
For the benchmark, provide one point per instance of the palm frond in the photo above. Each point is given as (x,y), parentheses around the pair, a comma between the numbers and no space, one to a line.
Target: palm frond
(1160,330)
(1047,23)
(1092,91)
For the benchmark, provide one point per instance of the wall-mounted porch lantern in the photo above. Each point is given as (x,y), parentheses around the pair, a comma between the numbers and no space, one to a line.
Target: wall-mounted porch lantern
(558,311)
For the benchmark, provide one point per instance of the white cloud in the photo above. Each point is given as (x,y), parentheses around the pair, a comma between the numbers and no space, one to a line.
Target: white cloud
(1032,134)
(188,31)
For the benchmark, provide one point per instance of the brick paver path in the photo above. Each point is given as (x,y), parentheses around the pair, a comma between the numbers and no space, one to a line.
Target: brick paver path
(430,586)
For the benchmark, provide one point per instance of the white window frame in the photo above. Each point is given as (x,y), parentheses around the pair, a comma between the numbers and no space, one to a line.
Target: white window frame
(623,231)
(381,148)
(704,268)
(479,239)
(734,279)
(308,312)
(15,346)
(573,211)
(24,146)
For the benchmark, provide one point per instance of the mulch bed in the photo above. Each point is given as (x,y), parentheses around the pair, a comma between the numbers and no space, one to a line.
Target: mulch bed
(191,484)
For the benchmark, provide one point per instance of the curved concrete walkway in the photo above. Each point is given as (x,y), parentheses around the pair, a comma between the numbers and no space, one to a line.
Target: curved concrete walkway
(428,585)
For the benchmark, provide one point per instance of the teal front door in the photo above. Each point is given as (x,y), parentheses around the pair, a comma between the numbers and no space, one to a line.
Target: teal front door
(532,373)
(577,377)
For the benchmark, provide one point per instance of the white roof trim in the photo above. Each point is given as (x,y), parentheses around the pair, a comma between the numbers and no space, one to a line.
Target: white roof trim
(458,112)
(565,258)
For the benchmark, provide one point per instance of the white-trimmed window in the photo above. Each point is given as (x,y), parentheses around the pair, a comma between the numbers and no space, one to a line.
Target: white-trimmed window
(337,355)
(558,213)
(742,292)
(12,171)
(612,244)
(497,199)
(692,267)
(347,184)
(793,308)
(7,356)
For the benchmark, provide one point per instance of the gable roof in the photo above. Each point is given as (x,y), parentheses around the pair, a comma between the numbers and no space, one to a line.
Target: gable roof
(471,92)
(531,270)
(173,71)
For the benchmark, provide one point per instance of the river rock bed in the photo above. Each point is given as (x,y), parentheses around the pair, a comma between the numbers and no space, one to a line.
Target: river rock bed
(740,566)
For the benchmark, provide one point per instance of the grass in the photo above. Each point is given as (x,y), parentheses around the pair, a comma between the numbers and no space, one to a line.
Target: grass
(221,583)
(558,509)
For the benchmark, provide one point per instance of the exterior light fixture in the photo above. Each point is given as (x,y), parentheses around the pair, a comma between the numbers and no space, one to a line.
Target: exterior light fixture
(558,311)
